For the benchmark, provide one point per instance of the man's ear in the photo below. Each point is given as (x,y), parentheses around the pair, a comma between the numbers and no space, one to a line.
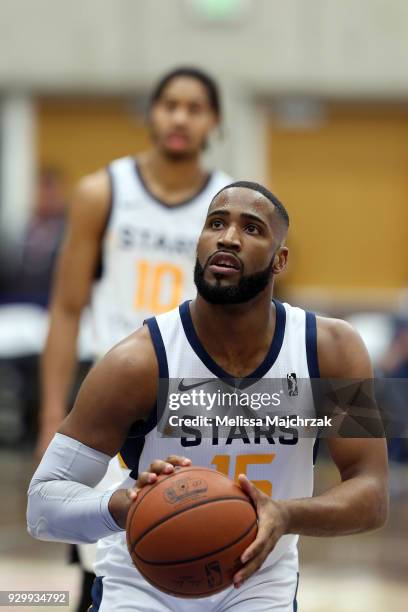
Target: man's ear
(280,260)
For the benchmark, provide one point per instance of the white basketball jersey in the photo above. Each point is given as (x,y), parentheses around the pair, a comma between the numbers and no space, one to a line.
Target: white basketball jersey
(148,254)
(279,461)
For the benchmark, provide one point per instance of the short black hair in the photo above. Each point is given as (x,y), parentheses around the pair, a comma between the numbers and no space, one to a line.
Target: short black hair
(209,83)
(280,208)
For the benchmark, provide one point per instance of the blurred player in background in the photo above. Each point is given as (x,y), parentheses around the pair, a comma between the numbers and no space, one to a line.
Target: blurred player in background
(27,270)
(130,244)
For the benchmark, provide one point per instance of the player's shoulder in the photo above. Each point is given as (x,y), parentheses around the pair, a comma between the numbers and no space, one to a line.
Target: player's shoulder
(131,364)
(94,191)
(135,353)
(335,331)
(89,205)
(93,186)
(341,349)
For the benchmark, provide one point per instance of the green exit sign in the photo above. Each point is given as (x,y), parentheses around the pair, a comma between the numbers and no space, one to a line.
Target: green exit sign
(219,10)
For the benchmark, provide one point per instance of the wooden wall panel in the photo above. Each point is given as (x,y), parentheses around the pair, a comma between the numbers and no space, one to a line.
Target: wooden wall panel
(345,183)
(80,135)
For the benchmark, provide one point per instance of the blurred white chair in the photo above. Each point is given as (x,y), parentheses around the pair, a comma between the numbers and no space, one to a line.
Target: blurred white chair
(23,329)
(376,330)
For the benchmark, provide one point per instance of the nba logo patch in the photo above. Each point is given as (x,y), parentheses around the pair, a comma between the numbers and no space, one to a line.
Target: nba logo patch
(292,384)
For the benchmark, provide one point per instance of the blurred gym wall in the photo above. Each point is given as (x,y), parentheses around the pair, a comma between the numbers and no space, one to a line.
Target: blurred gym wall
(314,95)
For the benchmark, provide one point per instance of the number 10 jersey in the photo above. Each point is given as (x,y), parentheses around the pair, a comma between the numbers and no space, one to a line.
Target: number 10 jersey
(147,253)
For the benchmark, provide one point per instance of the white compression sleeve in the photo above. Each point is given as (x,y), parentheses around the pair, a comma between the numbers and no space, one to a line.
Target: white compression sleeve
(62,504)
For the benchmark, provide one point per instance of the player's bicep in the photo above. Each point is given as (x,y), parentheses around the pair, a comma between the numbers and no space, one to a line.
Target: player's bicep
(359,456)
(343,355)
(99,418)
(119,390)
(73,275)
(341,351)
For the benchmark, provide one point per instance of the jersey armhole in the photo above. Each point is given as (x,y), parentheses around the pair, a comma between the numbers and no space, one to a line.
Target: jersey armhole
(312,364)
(158,346)
(163,381)
(137,438)
(311,345)
(99,265)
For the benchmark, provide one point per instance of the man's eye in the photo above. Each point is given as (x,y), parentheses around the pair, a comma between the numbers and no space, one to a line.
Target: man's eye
(195,109)
(252,229)
(170,105)
(216,224)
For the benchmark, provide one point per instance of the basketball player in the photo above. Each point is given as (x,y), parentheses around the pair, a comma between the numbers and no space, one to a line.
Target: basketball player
(233,329)
(138,222)
(140,219)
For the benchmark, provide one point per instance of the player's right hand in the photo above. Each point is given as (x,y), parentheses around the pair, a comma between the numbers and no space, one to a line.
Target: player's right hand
(122,499)
(157,467)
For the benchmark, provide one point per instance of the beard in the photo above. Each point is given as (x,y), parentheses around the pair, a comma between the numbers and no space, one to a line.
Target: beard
(176,156)
(247,288)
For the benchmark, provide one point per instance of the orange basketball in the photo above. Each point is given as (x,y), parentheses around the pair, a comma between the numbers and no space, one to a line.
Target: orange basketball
(187,531)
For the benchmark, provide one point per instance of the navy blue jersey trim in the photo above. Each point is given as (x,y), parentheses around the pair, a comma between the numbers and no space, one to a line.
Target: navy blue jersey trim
(97,594)
(316,446)
(311,345)
(136,448)
(99,266)
(312,363)
(163,386)
(209,362)
(132,449)
(295,605)
(158,345)
(166,204)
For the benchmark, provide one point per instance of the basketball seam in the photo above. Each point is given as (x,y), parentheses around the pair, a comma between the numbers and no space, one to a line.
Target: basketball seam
(177,512)
(209,554)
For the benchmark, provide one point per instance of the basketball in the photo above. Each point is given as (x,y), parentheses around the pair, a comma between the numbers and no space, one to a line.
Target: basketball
(187,531)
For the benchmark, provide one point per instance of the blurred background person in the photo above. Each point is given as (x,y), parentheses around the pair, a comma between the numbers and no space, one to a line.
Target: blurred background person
(129,247)
(130,244)
(29,279)
(26,271)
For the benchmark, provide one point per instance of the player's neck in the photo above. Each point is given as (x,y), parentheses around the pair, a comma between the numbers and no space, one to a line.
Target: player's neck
(238,334)
(171,177)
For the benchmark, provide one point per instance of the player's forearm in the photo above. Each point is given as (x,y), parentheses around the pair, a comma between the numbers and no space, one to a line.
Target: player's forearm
(356,505)
(58,364)
(62,502)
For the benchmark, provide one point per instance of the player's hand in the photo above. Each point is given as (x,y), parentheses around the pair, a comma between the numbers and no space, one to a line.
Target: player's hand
(157,467)
(272,524)
(122,499)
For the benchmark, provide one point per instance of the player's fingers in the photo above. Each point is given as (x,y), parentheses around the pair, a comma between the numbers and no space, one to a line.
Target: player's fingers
(178,460)
(249,488)
(251,567)
(145,478)
(132,493)
(258,545)
(158,466)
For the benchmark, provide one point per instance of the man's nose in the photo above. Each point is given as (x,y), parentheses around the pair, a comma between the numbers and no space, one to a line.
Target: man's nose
(180,116)
(230,238)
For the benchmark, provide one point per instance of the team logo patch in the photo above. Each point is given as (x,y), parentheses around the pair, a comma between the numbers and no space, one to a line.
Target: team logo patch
(292,384)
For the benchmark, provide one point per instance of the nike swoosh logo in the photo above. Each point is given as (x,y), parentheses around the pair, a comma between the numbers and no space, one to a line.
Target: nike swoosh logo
(183,387)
